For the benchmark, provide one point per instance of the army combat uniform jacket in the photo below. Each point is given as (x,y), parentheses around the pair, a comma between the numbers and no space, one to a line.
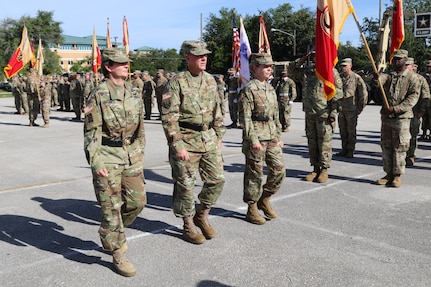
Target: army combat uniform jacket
(191,115)
(114,126)
(355,93)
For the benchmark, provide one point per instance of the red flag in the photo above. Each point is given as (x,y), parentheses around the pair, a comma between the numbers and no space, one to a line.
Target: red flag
(125,36)
(96,59)
(108,37)
(235,47)
(331,15)
(263,37)
(20,57)
(397,28)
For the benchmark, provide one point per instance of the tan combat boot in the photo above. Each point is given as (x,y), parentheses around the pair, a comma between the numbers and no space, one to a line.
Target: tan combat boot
(190,232)
(396,182)
(311,176)
(201,221)
(323,176)
(264,205)
(121,264)
(253,215)
(385,180)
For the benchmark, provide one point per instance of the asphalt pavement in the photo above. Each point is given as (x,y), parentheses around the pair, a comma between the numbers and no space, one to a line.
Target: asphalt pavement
(346,232)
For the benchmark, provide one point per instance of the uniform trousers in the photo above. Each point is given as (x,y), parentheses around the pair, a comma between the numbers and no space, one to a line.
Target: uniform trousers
(319,132)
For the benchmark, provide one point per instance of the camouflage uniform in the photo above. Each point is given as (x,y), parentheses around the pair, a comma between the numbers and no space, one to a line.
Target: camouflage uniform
(426,118)
(258,112)
(160,86)
(76,94)
(64,96)
(45,97)
(286,94)
(16,94)
(318,114)
(148,93)
(221,88)
(54,93)
(88,87)
(192,120)
(137,82)
(233,85)
(402,93)
(354,99)
(33,98)
(418,111)
(22,88)
(114,139)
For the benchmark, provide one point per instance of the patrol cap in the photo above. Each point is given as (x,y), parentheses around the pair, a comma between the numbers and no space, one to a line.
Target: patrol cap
(429,63)
(116,55)
(137,72)
(401,54)
(161,71)
(197,48)
(145,73)
(410,61)
(346,61)
(261,59)
(231,70)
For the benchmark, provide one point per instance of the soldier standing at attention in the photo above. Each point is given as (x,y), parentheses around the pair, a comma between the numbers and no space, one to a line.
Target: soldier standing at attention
(22,86)
(17,96)
(148,93)
(286,94)
(261,139)
(88,87)
(426,119)
(320,117)
(232,86)
(33,97)
(114,142)
(418,111)
(354,99)
(137,81)
(160,86)
(194,128)
(45,97)
(76,94)
(402,91)
(221,88)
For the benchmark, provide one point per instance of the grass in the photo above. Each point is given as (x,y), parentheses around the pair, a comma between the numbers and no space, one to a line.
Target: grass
(5,94)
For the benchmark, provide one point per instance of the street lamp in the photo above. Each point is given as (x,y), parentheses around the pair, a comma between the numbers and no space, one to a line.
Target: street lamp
(289,34)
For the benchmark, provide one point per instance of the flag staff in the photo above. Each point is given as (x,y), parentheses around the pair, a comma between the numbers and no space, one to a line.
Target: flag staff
(373,64)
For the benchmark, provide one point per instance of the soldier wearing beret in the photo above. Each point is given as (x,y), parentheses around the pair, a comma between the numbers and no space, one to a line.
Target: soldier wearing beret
(114,144)
(402,90)
(193,125)
(354,99)
(261,139)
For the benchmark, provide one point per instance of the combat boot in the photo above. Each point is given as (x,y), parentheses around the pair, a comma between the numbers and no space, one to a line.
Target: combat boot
(323,176)
(201,221)
(385,180)
(264,205)
(396,182)
(121,264)
(410,161)
(190,232)
(349,154)
(253,215)
(311,176)
(341,153)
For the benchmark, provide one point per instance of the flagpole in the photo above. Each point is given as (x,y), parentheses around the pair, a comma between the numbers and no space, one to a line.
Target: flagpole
(373,64)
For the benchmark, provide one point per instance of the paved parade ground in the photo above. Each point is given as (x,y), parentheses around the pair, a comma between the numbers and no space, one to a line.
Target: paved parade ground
(347,232)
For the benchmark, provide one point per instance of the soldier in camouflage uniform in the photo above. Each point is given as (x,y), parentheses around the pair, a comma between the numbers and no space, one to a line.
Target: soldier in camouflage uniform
(88,87)
(221,88)
(137,81)
(354,99)
(76,94)
(160,86)
(33,97)
(232,87)
(286,94)
(54,92)
(320,116)
(17,96)
(45,97)
(22,88)
(193,125)
(426,119)
(418,111)
(261,140)
(114,142)
(148,93)
(402,91)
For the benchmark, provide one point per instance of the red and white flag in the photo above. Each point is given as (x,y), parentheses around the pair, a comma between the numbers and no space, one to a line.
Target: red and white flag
(22,55)
(235,47)
(263,37)
(96,58)
(331,15)
(397,37)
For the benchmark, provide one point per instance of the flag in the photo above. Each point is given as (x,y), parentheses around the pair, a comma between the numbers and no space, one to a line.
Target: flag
(108,37)
(245,52)
(22,55)
(235,47)
(39,59)
(125,36)
(96,59)
(263,37)
(331,15)
(397,28)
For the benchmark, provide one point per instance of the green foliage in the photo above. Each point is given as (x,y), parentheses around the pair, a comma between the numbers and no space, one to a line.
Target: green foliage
(151,61)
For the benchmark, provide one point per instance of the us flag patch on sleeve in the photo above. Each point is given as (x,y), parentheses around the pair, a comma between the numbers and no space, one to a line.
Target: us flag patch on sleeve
(88,109)
(166,96)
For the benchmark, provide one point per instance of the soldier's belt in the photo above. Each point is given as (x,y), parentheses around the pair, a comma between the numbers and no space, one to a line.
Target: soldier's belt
(196,127)
(117,142)
(261,118)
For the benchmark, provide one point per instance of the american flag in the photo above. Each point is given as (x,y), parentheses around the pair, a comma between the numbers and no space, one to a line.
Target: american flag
(235,47)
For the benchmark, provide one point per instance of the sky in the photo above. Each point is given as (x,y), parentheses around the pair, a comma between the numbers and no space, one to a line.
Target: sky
(166,24)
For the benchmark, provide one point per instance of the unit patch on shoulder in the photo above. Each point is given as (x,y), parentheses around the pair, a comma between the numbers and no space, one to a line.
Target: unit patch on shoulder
(166,96)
